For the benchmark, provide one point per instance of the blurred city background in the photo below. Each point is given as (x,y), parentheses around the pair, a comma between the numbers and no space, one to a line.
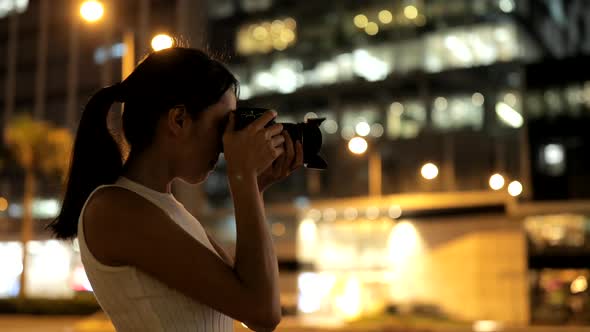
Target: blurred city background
(457,196)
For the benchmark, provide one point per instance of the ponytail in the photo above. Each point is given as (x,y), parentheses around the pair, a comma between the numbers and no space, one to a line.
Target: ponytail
(96,160)
(163,79)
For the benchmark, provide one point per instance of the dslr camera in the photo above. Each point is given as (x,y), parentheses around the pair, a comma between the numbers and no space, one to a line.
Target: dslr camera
(307,132)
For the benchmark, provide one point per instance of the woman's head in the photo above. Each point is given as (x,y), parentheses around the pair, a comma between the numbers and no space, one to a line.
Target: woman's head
(175,102)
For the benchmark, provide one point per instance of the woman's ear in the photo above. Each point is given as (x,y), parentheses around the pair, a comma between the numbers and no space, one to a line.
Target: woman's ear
(177,119)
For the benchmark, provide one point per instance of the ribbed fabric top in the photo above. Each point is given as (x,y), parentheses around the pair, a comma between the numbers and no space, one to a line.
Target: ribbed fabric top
(135,301)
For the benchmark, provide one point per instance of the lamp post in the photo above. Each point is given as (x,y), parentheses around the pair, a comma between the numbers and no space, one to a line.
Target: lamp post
(359,146)
(93,11)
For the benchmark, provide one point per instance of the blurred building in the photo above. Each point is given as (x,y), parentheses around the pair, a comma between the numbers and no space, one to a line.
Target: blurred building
(456,103)
(462,206)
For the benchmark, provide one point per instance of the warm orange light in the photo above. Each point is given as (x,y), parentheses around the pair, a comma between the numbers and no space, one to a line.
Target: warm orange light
(162,41)
(91,10)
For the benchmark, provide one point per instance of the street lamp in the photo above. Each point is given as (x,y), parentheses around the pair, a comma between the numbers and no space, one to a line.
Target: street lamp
(429,171)
(358,146)
(496,181)
(162,41)
(515,188)
(92,10)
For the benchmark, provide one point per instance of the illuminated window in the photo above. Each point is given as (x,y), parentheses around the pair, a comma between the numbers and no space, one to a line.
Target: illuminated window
(359,121)
(220,8)
(8,7)
(266,36)
(456,112)
(103,54)
(405,119)
(255,5)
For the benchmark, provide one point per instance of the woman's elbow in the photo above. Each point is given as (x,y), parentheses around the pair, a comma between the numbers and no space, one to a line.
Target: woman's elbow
(267,322)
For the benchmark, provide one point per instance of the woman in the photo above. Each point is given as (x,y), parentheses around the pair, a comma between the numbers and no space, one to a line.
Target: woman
(151,264)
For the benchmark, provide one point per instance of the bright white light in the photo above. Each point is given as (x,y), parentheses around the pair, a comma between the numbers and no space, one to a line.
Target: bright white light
(458,48)
(327,72)
(515,188)
(496,181)
(287,80)
(307,231)
(429,171)
(91,11)
(553,154)
(265,80)
(11,257)
(506,6)
(313,287)
(245,92)
(357,145)
(7,7)
(80,280)
(369,67)
(509,115)
(330,126)
(486,326)
(161,42)
(403,243)
(46,208)
(395,211)
(579,285)
(349,303)
(362,128)
(485,51)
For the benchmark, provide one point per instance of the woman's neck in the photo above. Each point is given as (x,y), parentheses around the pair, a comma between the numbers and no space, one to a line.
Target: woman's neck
(149,169)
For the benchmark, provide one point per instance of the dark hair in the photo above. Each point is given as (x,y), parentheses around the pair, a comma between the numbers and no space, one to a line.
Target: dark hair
(161,81)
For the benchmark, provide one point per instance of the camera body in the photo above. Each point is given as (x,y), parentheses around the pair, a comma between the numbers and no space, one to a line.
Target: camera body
(308,133)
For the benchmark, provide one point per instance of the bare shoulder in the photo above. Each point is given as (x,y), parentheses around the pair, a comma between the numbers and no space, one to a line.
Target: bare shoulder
(123,228)
(110,217)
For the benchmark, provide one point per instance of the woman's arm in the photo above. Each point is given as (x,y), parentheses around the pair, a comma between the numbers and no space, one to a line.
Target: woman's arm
(256,261)
(123,228)
(224,254)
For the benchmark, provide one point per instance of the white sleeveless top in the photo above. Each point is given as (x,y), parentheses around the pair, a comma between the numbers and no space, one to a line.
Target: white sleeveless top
(135,301)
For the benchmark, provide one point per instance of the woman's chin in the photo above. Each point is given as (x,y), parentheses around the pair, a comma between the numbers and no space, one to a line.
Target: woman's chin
(196,179)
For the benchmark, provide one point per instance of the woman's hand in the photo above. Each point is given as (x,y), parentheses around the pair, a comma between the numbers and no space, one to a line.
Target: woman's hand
(282,167)
(253,149)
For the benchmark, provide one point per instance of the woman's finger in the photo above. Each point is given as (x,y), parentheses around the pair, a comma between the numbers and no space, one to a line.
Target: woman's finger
(289,152)
(273,130)
(277,141)
(298,155)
